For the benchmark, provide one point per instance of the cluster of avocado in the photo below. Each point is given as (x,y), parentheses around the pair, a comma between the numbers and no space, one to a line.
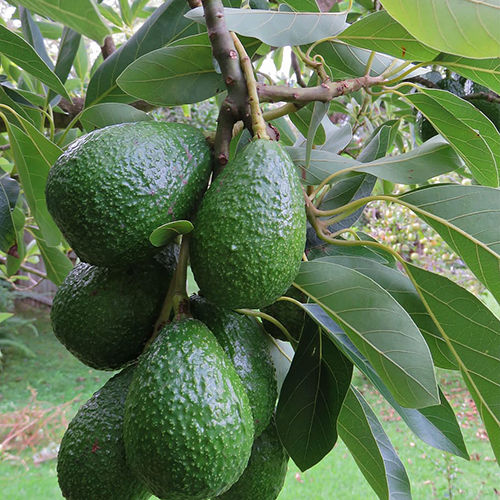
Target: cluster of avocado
(191,413)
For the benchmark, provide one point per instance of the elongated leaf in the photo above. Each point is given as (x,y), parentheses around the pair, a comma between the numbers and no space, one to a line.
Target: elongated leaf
(467,219)
(469,132)
(483,71)
(472,332)
(110,113)
(24,55)
(80,15)
(435,425)
(462,27)
(56,262)
(34,154)
(279,28)
(178,74)
(302,120)
(165,25)
(4,316)
(378,326)
(68,48)
(319,111)
(311,398)
(337,138)
(372,450)
(33,36)
(9,192)
(381,33)
(303,5)
(5,98)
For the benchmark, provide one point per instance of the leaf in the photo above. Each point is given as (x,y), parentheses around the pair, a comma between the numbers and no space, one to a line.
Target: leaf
(302,120)
(462,27)
(182,73)
(9,192)
(372,450)
(469,132)
(338,138)
(33,36)
(110,113)
(319,111)
(164,234)
(68,48)
(303,5)
(378,326)
(472,332)
(34,154)
(165,25)
(311,398)
(467,219)
(287,135)
(381,33)
(279,28)
(23,54)
(4,316)
(435,425)
(434,157)
(80,15)
(57,264)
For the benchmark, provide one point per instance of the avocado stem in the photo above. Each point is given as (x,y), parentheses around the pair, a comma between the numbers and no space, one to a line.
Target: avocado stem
(258,124)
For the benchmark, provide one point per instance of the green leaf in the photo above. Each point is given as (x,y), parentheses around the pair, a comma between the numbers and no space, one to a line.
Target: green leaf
(468,131)
(164,234)
(24,55)
(319,111)
(164,26)
(81,61)
(34,154)
(467,219)
(472,333)
(80,15)
(126,12)
(9,192)
(302,120)
(110,113)
(182,73)
(372,450)
(279,28)
(462,27)
(57,264)
(4,316)
(110,14)
(287,135)
(434,157)
(33,36)
(68,48)
(381,33)
(483,71)
(311,398)
(435,425)
(378,326)
(303,5)
(5,98)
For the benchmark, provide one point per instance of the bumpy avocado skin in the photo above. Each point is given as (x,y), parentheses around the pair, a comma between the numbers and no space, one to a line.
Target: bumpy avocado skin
(245,343)
(249,233)
(188,426)
(105,316)
(266,470)
(288,314)
(91,462)
(112,187)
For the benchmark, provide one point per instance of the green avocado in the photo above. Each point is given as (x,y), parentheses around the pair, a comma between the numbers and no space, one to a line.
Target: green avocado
(265,474)
(112,187)
(91,462)
(188,427)
(288,314)
(105,316)
(250,231)
(245,343)
(490,108)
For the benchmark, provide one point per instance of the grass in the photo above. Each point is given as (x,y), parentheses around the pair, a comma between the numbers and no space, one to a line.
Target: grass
(58,377)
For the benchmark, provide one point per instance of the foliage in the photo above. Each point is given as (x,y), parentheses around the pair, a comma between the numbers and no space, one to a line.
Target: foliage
(368,69)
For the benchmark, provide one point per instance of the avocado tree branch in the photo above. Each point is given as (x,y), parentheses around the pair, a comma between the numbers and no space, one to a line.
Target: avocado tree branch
(235,107)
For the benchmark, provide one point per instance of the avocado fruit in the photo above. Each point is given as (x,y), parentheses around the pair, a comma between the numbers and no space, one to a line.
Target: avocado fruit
(288,314)
(188,427)
(244,342)
(105,316)
(91,463)
(250,231)
(489,107)
(265,474)
(112,187)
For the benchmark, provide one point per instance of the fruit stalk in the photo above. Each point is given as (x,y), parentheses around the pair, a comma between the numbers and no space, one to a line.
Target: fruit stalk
(258,123)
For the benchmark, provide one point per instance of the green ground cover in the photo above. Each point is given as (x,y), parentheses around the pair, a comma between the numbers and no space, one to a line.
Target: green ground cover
(58,378)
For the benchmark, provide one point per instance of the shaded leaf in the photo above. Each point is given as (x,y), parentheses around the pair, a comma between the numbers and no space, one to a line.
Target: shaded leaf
(24,55)
(462,27)
(468,131)
(372,450)
(279,28)
(80,15)
(167,232)
(302,120)
(311,398)
(181,73)
(9,192)
(110,113)
(68,48)
(33,36)
(377,325)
